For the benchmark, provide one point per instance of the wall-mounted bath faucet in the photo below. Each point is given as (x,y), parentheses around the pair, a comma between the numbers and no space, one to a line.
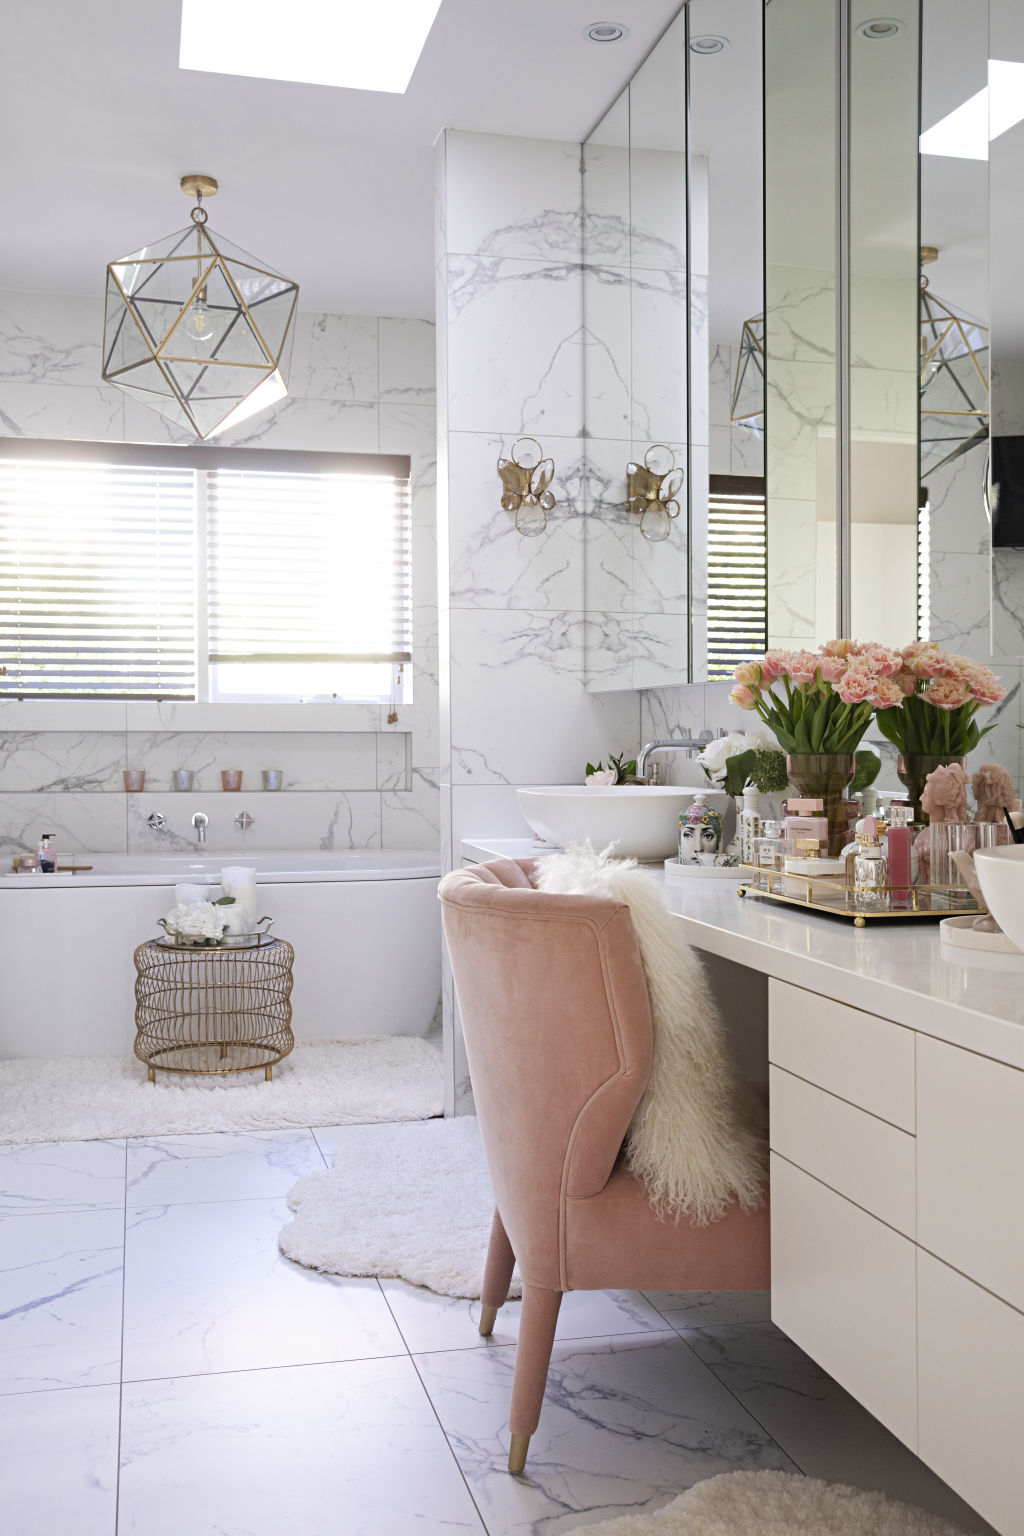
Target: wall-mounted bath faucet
(200,821)
(155,821)
(687,744)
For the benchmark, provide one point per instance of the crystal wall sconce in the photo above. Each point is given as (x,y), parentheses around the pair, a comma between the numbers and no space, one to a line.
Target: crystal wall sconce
(525,478)
(651,491)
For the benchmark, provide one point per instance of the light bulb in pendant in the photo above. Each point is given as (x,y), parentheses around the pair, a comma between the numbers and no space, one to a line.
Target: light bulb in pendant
(201,320)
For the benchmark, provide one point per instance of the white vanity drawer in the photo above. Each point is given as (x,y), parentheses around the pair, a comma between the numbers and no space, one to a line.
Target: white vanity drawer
(843,1288)
(859,1057)
(970,1165)
(864,1158)
(971,1361)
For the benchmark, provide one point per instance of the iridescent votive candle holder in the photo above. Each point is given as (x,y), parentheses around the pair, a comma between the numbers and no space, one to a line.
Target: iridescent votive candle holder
(134,780)
(231,778)
(182,778)
(272,778)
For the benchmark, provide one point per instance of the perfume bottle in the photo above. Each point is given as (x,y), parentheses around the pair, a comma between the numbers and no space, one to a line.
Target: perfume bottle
(770,850)
(870,870)
(750,823)
(899,855)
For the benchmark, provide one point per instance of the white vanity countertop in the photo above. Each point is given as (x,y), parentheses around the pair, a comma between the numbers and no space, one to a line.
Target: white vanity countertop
(900,970)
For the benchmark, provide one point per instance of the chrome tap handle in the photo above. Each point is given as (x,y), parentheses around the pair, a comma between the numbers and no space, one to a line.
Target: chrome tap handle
(155,821)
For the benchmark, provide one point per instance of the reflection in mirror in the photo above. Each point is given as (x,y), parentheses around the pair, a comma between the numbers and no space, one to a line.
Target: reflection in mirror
(635,282)
(1006,180)
(953,576)
(729,574)
(800,325)
(884,342)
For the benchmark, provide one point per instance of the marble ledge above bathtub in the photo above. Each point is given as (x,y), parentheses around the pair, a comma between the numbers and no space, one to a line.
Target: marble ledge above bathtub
(187,715)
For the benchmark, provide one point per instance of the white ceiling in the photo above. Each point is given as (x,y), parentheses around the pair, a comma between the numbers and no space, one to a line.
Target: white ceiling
(333,187)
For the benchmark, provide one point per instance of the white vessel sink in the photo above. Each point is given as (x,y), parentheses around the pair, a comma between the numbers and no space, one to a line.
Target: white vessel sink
(642,820)
(1000,874)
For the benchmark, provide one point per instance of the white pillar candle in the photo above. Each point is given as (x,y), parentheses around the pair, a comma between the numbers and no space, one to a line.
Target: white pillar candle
(240,882)
(185,895)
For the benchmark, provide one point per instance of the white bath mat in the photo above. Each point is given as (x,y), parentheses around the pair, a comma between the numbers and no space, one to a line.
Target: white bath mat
(322,1082)
(411,1202)
(776,1504)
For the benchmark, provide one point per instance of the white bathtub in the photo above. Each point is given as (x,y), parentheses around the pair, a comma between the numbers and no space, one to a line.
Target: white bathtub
(365,924)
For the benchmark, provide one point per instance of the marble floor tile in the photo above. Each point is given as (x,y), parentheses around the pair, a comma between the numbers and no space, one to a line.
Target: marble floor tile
(60,1300)
(822,1428)
(60,1462)
(255,1165)
(699,1309)
(207,1289)
(42,1178)
(430,1322)
(628,1423)
(326,1450)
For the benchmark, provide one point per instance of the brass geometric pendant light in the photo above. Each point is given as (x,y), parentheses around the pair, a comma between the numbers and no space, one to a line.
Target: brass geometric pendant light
(954,377)
(196,328)
(747,405)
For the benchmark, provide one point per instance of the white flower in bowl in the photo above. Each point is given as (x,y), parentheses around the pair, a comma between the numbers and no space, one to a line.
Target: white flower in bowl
(602,777)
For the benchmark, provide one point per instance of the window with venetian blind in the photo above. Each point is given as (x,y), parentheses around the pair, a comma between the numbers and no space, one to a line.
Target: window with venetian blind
(136,573)
(737,573)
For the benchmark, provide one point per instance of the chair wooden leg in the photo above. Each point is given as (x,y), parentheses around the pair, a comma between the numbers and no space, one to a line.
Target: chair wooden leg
(533,1356)
(497,1275)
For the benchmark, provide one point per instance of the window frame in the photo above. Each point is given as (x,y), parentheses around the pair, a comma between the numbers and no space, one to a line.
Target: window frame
(206,457)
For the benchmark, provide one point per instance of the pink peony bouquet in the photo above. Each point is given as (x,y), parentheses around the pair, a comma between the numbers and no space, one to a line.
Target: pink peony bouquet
(940,694)
(821,701)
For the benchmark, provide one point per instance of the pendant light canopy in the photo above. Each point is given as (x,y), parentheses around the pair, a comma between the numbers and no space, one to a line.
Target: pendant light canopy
(196,328)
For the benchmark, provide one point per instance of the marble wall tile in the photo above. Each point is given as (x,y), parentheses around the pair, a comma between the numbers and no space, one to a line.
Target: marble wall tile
(720,451)
(958,523)
(610,639)
(406,361)
(62,715)
(959,603)
(514,348)
(392,761)
(347,426)
(607,350)
(309,761)
(803,320)
(520,714)
(334,357)
(282,719)
(71,411)
(606,195)
(746,451)
(658,310)
(801,408)
(660,649)
(1008,602)
(487,810)
(411,818)
(721,364)
(412,429)
(315,820)
(492,564)
(792,578)
(51,761)
(514,197)
(657,208)
(79,822)
(673,711)
(50,338)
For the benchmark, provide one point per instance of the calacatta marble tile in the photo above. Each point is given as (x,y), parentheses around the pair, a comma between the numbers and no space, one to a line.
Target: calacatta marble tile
(510,196)
(50,338)
(43,1178)
(60,1462)
(700,1309)
(334,357)
(407,362)
(207,1289)
(351,1448)
(627,1423)
(79,822)
(411,818)
(44,762)
(188,1170)
(60,1300)
(62,411)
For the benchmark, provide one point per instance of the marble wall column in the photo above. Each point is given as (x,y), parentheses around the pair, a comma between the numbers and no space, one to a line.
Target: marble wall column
(514,705)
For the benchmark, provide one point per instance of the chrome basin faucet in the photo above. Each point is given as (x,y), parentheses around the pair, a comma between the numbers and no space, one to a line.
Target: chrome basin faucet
(687,744)
(200,822)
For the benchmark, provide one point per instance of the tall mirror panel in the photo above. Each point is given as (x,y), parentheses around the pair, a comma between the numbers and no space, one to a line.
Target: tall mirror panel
(800,120)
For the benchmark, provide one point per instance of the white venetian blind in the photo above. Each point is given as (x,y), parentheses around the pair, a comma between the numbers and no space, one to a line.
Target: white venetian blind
(737,573)
(308,567)
(97,580)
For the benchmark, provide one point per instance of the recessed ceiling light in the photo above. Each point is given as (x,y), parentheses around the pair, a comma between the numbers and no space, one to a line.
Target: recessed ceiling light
(314,42)
(879,30)
(606,32)
(709,43)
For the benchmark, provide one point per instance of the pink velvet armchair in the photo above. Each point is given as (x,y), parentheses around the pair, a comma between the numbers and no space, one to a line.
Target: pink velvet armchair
(557,1024)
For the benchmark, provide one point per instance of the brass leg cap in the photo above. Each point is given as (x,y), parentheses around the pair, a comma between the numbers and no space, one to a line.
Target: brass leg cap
(488,1316)
(517,1450)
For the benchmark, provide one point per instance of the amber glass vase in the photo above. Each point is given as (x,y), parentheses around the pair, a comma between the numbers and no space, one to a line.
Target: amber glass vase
(913,769)
(825,776)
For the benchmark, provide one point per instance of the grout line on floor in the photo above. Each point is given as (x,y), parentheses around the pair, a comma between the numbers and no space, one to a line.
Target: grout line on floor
(433,1409)
(120,1373)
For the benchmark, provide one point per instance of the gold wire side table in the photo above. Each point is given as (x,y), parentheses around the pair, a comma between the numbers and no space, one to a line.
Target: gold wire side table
(212,1011)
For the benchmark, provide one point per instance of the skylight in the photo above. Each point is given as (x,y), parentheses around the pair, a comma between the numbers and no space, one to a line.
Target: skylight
(363,45)
(966,132)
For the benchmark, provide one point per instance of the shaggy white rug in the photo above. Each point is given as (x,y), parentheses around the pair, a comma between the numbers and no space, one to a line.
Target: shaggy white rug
(693,1142)
(411,1202)
(776,1504)
(322,1082)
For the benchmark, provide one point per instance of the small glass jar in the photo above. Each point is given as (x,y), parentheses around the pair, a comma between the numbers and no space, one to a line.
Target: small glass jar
(870,876)
(770,850)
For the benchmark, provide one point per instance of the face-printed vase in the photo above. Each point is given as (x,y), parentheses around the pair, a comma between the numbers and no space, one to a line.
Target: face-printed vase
(700,834)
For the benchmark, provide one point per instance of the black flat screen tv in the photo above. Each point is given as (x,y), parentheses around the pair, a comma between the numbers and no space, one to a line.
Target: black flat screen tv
(1006,494)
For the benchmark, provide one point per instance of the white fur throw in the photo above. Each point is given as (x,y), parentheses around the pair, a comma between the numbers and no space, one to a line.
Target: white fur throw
(692,1142)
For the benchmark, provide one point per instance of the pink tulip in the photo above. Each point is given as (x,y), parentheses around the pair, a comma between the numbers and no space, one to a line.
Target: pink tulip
(748,673)
(743,696)
(832,668)
(887,694)
(947,693)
